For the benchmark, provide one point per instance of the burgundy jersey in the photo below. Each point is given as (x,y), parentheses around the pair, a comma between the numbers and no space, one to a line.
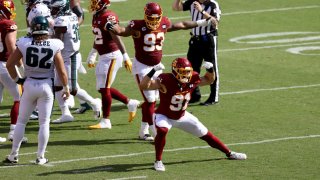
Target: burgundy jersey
(6,26)
(174,100)
(103,41)
(148,43)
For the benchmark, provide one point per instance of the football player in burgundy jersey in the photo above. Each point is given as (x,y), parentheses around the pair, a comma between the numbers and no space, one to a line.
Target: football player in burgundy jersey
(148,36)
(175,92)
(112,53)
(8,32)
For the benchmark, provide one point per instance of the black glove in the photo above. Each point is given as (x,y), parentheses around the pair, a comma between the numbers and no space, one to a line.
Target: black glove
(109,26)
(20,81)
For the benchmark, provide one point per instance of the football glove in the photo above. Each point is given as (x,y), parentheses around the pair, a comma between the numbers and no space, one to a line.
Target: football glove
(207,22)
(91,59)
(207,65)
(109,26)
(127,62)
(159,67)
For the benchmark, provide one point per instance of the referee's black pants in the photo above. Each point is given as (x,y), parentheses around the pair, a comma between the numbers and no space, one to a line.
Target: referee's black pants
(204,48)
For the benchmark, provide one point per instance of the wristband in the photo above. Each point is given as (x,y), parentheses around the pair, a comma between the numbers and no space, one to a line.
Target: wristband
(203,11)
(202,22)
(125,56)
(151,73)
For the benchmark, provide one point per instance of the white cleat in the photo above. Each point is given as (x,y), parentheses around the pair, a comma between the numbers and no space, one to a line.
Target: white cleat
(10,137)
(237,156)
(103,124)
(158,166)
(146,137)
(63,119)
(34,115)
(97,108)
(41,161)
(132,107)
(2,140)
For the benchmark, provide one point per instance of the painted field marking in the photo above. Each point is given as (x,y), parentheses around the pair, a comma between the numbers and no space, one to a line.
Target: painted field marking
(228,14)
(169,150)
(133,177)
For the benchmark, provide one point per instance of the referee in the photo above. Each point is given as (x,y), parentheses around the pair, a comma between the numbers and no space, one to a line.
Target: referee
(203,42)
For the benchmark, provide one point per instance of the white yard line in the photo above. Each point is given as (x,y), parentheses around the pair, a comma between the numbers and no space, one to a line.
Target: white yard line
(133,177)
(172,150)
(247,49)
(255,90)
(228,14)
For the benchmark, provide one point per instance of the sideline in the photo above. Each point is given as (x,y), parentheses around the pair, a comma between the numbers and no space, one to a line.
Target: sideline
(168,150)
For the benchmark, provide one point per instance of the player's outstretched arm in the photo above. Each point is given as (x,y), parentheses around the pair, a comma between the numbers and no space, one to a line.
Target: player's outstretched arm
(147,83)
(117,29)
(209,77)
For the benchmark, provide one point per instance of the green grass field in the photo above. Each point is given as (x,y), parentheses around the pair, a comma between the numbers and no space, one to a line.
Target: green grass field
(269,104)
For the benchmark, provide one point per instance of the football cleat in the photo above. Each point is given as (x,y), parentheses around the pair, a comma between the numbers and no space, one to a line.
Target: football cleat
(159,166)
(34,115)
(2,140)
(96,106)
(63,119)
(132,107)
(236,156)
(103,124)
(83,108)
(41,161)
(10,137)
(11,159)
(146,137)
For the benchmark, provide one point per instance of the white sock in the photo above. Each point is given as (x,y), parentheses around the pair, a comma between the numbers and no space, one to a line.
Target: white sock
(144,129)
(43,138)
(84,96)
(62,103)
(17,138)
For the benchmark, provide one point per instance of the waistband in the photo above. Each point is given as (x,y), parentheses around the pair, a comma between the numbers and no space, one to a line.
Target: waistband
(39,78)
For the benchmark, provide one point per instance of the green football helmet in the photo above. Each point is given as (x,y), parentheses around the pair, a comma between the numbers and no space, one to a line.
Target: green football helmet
(39,26)
(60,7)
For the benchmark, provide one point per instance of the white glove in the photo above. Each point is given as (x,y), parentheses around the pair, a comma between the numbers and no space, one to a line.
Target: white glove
(159,67)
(209,21)
(207,65)
(91,59)
(127,62)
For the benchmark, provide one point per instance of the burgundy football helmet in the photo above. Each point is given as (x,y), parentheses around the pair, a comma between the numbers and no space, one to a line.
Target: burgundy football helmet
(7,9)
(98,5)
(152,15)
(182,70)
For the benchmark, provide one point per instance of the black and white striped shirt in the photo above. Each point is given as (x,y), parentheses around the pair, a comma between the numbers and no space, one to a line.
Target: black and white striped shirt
(211,7)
